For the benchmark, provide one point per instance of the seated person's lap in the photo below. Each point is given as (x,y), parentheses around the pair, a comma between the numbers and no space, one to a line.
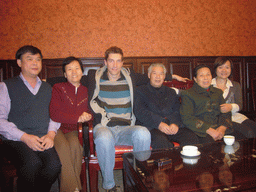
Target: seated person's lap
(20,154)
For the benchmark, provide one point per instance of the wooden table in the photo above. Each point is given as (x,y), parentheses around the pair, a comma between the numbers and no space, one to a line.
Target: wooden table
(218,168)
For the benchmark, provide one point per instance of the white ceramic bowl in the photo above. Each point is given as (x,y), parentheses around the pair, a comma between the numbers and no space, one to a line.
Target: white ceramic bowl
(190,150)
(229,139)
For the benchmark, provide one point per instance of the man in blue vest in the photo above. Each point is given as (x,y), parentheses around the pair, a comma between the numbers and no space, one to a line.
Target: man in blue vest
(25,125)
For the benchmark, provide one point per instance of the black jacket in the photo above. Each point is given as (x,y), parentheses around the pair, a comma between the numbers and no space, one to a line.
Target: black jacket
(153,106)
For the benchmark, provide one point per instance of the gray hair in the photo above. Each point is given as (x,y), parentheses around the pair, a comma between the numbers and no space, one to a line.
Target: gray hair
(156,65)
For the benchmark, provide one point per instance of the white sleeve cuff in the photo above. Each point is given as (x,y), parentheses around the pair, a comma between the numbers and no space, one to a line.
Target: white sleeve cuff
(235,108)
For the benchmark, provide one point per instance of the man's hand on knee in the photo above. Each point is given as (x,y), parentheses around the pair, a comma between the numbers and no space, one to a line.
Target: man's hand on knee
(174,129)
(33,142)
(48,140)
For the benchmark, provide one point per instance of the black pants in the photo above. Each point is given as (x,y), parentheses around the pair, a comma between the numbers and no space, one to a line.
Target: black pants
(252,126)
(208,139)
(36,170)
(184,136)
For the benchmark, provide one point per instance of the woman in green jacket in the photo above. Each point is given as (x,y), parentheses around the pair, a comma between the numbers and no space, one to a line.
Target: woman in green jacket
(200,109)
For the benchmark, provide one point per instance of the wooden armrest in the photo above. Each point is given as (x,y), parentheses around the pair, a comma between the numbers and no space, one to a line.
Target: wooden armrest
(80,132)
(91,143)
(84,135)
(81,135)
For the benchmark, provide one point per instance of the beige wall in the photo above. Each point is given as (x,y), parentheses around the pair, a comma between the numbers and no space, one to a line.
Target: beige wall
(86,28)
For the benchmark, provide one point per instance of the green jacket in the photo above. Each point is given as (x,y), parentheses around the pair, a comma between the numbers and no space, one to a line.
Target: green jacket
(200,110)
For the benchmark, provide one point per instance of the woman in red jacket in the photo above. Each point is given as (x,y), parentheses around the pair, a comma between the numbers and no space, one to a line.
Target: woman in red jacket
(69,105)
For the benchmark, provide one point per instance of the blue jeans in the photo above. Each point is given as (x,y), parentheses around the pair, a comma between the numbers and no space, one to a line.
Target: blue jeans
(105,139)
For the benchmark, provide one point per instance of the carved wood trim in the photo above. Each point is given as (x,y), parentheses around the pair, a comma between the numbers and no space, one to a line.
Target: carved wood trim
(245,68)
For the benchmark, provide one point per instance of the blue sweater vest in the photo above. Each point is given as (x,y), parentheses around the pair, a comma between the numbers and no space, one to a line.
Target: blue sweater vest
(30,113)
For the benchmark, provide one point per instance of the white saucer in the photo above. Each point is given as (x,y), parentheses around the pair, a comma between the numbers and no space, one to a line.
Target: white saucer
(197,154)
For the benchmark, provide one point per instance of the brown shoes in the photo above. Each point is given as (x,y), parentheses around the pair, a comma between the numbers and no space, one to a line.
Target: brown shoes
(114,189)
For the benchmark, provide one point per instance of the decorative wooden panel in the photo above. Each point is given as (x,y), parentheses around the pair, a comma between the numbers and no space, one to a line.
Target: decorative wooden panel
(244,68)
(91,63)
(3,70)
(53,71)
(1,74)
(204,60)
(182,67)
(239,77)
(250,73)
(14,69)
(250,67)
(253,94)
(237,72)
(130,63)
(52,68)
(144,63)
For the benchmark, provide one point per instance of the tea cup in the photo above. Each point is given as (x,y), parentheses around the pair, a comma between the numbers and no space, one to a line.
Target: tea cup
(190,150)
(229,139)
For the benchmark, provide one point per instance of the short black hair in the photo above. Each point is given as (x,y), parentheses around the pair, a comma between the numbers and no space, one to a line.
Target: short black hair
(200,67)
(68,60)
(113,50)
(221,61)
(28,49)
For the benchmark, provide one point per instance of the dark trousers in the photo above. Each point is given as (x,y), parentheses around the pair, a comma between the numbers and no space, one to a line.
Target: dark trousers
(244,128)
(208,139)
(184,136)
(251,124)
(36,170)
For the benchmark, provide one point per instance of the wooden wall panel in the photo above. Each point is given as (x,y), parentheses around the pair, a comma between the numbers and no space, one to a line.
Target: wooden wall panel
(52,71)
(244,69)
(182,67)
(250,73)
(13,68)
(91,63)
(1,74)
(51,68)
(204,60)
(144,63)
(238,71)
(3,70)
(130,63)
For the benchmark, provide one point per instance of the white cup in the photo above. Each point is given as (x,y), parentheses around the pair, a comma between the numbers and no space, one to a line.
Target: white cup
(229,139)
(190,150)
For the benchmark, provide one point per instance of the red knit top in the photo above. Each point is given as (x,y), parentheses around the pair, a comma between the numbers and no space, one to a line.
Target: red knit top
(66,105)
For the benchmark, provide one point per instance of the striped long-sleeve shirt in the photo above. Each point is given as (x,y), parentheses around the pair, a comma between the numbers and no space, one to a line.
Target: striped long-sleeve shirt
(115,98)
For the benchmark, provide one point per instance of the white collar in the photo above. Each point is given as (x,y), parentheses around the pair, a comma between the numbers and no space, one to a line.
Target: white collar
(228,84)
